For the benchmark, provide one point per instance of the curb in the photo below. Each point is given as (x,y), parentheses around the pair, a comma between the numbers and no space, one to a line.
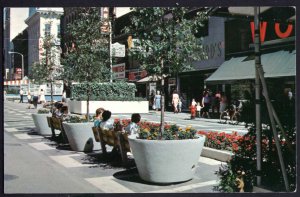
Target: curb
(219,155)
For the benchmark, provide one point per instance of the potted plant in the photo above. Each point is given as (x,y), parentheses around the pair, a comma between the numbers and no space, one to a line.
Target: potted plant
(79,133)
(166,45)
(173,158)
(40,121)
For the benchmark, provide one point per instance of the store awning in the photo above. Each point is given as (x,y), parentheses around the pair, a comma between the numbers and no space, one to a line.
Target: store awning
(151,78)
(277,64)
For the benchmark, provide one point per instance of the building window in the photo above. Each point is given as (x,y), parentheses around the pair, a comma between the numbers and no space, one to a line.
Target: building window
(47,29)
(58,31)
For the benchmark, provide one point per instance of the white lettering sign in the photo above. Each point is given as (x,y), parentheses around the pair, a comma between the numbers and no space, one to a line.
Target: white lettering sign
(118,50)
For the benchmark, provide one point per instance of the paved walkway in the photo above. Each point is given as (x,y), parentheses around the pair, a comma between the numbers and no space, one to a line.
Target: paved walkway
(34,164)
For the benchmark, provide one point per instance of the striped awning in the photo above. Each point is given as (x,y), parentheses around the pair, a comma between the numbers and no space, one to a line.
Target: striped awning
(16,82)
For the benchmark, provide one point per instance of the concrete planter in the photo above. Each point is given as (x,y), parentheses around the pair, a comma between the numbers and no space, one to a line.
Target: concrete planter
(166,161)
(41,124)
(124,107)
(81,137)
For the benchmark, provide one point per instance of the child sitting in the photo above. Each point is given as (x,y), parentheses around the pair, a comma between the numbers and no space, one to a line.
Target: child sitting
(133,128)
(107,123)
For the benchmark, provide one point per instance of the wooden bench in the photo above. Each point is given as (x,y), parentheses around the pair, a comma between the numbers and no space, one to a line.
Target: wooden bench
(117,140)
(56,123)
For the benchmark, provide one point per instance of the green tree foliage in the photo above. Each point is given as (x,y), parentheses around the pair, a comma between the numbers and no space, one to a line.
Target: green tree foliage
(168,34)
(88,58)
(47,69)
(165,40)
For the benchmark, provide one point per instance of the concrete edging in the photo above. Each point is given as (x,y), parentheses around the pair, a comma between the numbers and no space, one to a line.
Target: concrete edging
(219,155)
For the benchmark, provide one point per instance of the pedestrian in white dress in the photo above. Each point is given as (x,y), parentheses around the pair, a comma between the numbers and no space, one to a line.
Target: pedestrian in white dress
(42,96)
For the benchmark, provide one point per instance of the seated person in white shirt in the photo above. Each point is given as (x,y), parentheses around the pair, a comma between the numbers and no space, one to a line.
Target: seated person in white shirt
(133,128)
(107,123)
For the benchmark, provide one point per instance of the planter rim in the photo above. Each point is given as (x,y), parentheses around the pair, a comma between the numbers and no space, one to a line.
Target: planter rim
(133,137)
(77,123)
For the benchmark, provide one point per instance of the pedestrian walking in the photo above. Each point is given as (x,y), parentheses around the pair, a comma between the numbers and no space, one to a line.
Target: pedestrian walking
(157,100)
(193,109)
(64,97)
(223,103)
(21,95)
(180,104)
(42,98)
(35,99)
(4,94)
(175,101)
(198,108)
(206,104)
(29,99)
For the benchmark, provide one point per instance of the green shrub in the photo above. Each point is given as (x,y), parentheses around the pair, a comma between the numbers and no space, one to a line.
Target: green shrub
(43,111)
(117,91)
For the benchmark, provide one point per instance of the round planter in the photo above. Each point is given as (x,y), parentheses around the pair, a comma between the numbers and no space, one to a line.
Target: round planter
(81,137)
(41,124)
(166,161)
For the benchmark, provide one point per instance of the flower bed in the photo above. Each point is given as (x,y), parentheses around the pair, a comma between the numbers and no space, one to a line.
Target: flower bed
(150,130)
(222,140)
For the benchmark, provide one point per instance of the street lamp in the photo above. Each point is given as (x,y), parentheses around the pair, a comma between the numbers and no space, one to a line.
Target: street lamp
(11,52)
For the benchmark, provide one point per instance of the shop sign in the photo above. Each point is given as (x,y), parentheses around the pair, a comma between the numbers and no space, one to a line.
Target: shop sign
(172,81)
(19,70)
(119,70)
(277,27)
(136,75)
(118,50)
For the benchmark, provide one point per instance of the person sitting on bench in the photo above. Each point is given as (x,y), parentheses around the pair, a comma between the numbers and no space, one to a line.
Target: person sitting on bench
(133,128)
(107,123)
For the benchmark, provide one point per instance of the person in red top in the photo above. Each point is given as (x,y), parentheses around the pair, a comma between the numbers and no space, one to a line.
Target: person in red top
(193,109)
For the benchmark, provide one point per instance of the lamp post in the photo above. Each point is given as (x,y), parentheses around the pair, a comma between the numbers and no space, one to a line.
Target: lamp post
(11,52)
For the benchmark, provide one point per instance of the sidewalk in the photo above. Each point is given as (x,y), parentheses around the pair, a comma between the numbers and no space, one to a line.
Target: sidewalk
(87,172)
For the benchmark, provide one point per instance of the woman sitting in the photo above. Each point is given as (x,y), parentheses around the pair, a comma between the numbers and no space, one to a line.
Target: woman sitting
(98,117)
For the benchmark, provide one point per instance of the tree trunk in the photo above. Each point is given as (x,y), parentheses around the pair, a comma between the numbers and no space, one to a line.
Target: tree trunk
(51,91)
(88,104)
(162,101)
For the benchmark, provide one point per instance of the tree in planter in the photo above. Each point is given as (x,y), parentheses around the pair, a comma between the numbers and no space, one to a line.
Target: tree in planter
(88,59)
(47,70)
(166,41)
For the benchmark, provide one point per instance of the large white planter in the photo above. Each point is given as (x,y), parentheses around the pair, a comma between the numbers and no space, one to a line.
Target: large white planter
(81,137)
(123,107)
(41,124)
(166,161)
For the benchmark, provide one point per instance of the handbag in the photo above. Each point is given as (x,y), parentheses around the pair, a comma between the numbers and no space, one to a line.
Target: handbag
(153,106)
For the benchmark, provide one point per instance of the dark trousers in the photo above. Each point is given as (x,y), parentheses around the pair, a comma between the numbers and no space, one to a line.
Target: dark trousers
(35,101)
(21,98)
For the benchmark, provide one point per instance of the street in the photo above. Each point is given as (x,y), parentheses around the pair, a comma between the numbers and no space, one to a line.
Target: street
(35,164)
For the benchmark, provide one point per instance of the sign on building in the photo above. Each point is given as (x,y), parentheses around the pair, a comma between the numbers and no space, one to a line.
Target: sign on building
(119,70)
(118,50)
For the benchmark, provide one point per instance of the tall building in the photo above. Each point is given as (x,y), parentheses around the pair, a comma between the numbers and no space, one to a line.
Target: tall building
(13,25)
(42,21)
